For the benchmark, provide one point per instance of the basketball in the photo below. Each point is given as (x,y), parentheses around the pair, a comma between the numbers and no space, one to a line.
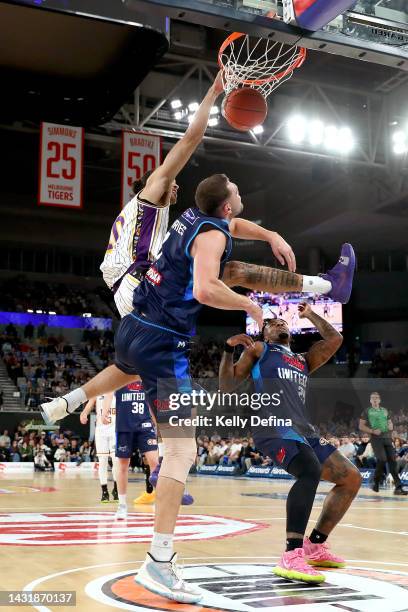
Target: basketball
(244,108)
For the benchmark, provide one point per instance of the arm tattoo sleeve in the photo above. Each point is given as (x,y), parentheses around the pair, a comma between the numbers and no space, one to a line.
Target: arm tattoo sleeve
(261,278)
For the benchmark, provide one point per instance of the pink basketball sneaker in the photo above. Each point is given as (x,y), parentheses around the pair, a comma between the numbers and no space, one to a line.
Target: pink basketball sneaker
(294,566)
(320,555)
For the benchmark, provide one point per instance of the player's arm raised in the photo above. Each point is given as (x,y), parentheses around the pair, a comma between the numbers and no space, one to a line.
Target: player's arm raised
(83,417)
(321,351)
(161,179)
(231,374)
(247,230)
(207,251)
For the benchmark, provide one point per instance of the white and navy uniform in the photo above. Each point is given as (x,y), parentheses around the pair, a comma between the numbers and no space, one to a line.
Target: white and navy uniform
(136,239)
(105,438)
(134,425)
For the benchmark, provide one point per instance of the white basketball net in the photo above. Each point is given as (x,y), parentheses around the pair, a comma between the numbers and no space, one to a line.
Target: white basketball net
(263,66)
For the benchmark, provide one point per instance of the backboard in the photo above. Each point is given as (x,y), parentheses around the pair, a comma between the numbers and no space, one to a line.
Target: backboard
(370,30)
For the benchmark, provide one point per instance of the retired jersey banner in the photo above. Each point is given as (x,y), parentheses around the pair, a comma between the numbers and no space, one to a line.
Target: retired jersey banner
(61,159)
(140,153)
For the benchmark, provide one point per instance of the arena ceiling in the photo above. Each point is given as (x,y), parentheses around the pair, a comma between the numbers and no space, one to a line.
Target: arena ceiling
(313,197)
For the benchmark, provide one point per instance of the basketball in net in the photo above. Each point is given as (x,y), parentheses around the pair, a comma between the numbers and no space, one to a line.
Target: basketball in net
(244,108)
(251,70)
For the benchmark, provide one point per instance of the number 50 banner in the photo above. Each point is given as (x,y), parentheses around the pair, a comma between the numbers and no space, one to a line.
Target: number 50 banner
(61,154)
(140,153)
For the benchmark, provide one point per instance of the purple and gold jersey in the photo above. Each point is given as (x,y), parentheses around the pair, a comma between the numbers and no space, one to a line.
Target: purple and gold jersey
(136,239)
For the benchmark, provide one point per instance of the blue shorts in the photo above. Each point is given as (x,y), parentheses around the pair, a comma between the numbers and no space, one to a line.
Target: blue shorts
(283,451)
(128,441)
(161,358)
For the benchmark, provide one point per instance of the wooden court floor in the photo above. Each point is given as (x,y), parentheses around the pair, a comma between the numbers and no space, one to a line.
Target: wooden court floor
(55,535)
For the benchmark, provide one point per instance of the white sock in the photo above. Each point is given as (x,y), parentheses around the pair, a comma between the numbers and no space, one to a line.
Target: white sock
(122,500)
(161,547)
(316,284)
(75,398)
(161,449)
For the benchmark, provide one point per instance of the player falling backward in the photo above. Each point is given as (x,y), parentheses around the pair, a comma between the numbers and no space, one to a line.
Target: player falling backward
(298,449)
(105,441)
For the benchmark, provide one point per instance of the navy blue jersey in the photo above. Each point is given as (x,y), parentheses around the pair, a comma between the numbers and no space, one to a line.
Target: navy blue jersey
(132,411)
(165,296)
(285,374)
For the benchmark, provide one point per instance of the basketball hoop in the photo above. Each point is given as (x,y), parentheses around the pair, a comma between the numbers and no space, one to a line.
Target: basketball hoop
(261,64)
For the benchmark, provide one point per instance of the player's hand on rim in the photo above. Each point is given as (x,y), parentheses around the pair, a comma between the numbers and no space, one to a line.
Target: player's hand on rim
(241,339)
(283,251)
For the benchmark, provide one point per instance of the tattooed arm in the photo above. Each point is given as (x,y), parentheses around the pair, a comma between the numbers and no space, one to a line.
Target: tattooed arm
(261,278)
(231,375)
(321,351)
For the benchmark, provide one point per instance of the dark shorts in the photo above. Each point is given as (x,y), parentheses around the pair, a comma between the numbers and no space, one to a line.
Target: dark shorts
(128,441)
(283,451)
(161,358)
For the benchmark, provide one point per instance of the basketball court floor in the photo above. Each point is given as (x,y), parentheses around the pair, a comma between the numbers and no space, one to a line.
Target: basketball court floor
(55,535)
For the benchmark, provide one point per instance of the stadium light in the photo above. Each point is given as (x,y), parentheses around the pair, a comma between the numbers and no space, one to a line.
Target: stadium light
(400,142)
(39,311)
(87,315)
(214,110)
(258,129)
(330,137)
(51,312)
(193,106)
(178,116)
(316,132)
(29,310)
(213,121)
(175,104)
(345,140)
(297,129)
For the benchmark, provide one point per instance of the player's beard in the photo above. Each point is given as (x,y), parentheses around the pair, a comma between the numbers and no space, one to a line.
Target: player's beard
(284,336)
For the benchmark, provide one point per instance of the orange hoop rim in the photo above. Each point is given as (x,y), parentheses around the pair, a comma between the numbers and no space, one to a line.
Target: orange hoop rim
(297,63)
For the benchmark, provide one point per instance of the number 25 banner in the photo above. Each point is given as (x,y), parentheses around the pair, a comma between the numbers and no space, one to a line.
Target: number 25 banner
(61,158)
(140,153)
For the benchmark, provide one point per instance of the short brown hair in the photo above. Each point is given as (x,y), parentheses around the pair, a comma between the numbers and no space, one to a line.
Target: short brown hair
(211,193)
(141,183)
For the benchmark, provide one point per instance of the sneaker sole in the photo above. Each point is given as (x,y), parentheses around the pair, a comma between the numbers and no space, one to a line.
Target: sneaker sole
(105,501)
(294,575)
(151,586)
(326,564)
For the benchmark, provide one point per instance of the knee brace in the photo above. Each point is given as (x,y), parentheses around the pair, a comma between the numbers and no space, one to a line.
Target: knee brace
(180,451)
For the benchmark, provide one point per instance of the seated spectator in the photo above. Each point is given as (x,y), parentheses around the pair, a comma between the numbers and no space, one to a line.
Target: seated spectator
(234,452)
(14,452)
(85,452)
(365,457)
(61,453)
(41,462)
(347,448)
(250,453)
(401,450)
(26,450)
(5,439)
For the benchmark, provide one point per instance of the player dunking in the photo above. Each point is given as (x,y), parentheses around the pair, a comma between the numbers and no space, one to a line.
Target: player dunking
(104,440)
(297,448)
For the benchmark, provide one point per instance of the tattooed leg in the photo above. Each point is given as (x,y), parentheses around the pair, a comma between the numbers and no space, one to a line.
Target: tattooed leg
(261,278)
(347,478)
